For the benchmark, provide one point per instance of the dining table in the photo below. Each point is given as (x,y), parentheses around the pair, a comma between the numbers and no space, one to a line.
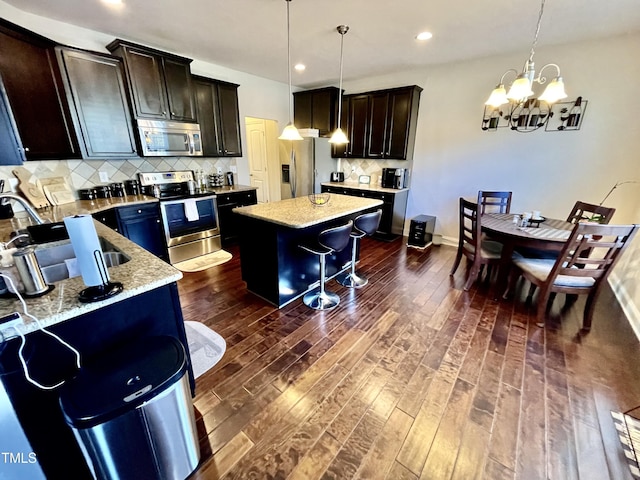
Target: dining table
(548,235)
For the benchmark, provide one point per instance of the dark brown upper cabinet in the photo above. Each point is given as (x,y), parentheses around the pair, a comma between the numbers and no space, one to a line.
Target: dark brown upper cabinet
(401,123)
(11,151)
(34,91)
(159,82)
(317,109)
(218,116)
(355,123)
(95,88)
(380,124)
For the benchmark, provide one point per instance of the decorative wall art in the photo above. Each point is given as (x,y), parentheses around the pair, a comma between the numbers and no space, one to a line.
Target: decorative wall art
(533,114)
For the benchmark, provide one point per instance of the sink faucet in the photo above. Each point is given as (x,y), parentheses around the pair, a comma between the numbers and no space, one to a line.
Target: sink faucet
(25,204)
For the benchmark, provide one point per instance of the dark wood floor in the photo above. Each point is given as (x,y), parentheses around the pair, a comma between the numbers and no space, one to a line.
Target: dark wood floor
(410,377)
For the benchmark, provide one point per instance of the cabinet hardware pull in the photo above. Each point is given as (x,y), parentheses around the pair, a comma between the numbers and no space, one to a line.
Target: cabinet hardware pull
(26,149)
(139,211)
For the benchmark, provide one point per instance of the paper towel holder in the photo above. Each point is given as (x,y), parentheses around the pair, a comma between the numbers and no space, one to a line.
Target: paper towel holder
(100,292)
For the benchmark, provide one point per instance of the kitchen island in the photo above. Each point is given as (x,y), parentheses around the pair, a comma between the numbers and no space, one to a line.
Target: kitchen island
(273,264)
(149,305)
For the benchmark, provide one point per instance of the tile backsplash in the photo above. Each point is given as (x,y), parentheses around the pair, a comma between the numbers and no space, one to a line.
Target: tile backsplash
(85,173)
(354,167)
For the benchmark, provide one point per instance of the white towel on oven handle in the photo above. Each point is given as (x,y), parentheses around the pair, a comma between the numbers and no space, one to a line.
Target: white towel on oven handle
(191,210)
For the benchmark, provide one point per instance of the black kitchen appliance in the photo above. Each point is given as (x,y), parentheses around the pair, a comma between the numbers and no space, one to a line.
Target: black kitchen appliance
(337,176)
(394,178)
(421,231)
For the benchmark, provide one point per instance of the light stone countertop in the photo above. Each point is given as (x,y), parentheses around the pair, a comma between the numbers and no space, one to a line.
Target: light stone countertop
(301,213)
(142,273)
(364,186)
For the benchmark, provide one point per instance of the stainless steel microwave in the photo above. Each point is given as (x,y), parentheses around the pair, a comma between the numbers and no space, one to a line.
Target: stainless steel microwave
(169,139)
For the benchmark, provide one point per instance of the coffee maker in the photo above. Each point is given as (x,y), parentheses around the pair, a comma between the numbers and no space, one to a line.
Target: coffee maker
(394,178)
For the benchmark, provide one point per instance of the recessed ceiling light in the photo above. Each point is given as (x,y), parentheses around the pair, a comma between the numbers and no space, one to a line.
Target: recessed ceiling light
(300,67)
(424,36)
(113,2)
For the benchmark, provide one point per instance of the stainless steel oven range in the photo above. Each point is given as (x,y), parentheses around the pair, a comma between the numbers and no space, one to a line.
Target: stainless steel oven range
(189,216)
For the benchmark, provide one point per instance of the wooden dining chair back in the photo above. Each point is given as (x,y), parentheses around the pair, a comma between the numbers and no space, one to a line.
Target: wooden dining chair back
(586,211)
(581,267)
(494,202)
(470,245)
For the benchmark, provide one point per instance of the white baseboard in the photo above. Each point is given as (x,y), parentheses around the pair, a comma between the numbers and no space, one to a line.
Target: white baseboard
(629,308)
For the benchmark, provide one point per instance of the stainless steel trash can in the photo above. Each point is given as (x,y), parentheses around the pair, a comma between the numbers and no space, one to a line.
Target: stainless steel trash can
(132,413)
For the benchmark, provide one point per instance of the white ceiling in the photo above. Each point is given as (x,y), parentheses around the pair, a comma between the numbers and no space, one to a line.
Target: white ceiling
(250,35)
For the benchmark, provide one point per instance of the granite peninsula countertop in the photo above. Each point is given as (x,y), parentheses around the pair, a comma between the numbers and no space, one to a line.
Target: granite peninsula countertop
(142,273)
(300,213)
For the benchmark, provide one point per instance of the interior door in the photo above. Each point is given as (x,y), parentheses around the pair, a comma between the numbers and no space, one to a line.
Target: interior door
(257,152)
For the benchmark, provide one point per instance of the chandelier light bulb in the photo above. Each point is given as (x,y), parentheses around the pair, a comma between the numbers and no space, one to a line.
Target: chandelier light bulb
(554,91)
(498,96)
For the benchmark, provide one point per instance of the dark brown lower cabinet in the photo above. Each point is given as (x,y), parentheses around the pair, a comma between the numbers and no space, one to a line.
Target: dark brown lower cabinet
(393,207)
(229,223)
(139,223)
(156,312)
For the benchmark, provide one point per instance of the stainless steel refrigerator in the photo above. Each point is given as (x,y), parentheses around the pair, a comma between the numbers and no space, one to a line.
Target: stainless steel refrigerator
(305,164)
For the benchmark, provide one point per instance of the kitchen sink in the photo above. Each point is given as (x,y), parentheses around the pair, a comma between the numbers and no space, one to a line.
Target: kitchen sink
(56,260)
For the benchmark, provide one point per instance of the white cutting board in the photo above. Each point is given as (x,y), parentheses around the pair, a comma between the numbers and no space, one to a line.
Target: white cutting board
(57,191)
(30,187)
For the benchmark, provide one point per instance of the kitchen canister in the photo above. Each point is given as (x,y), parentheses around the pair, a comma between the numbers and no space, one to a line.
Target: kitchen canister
(30,273)
(132,187)
(87,194)
(117,189)
(103,191)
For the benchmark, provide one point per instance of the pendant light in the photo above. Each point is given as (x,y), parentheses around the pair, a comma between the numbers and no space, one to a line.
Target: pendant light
(339,137)
(290,132)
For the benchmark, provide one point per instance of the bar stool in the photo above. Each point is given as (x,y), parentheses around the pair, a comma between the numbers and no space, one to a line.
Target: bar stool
(365,224)
(329,241)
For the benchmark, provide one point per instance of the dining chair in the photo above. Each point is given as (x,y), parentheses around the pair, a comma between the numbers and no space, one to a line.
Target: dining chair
(479,252)
(588,211)
(582,266)
(580,211)
(494,202)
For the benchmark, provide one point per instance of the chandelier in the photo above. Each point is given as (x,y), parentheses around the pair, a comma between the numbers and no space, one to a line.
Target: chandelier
(524,114)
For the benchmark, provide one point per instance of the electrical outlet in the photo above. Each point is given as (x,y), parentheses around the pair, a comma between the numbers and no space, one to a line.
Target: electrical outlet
(104,176)
(9,321)
(353,169)
(219,171)
(234,169)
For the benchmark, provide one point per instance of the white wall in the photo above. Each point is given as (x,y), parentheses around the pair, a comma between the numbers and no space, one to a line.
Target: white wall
(546,171)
